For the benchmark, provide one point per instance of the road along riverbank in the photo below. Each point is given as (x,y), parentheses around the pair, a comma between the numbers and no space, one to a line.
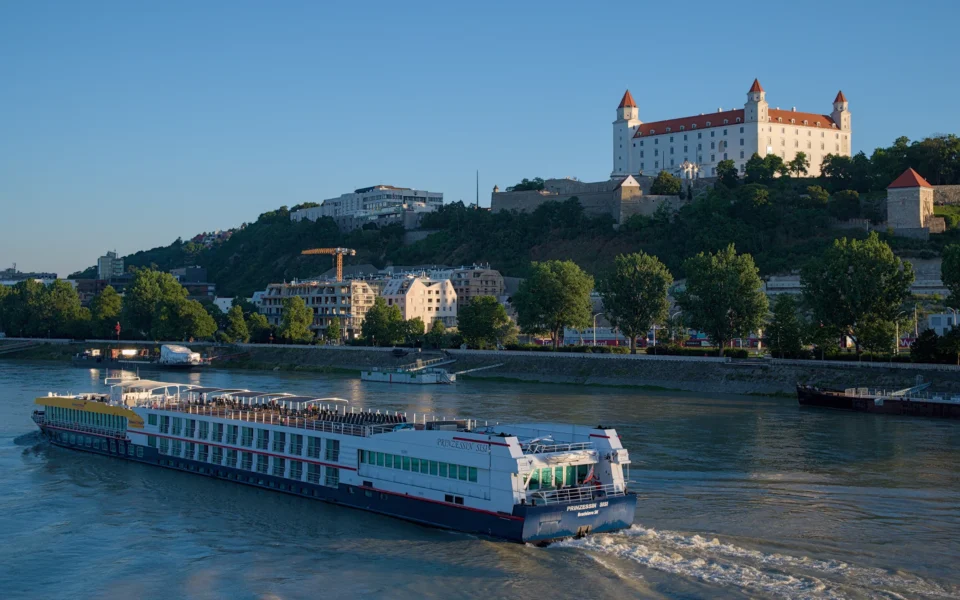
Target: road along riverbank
(696,374)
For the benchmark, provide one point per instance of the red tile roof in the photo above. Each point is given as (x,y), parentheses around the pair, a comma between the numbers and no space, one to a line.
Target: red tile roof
(627,101)
(909,179)
(799,117)
(690,123)
(840,97)
(756,87)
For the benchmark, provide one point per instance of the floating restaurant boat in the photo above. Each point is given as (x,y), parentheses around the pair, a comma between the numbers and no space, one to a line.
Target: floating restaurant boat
(171,357)
(912,401)
(532,482)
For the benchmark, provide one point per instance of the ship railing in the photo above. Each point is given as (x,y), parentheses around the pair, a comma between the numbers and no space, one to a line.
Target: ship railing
(899,395)
(115,433)
(272,418)
(538,448)
(581,493)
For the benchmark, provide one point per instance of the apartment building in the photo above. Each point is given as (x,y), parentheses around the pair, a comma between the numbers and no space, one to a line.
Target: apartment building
(347,300)
(429,299)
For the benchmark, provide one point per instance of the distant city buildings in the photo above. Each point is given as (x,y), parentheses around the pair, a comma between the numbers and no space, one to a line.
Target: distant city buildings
(692,147)
(379,205)
(11,276)
(349,301)
(194,279)
(109,265)
(208,239)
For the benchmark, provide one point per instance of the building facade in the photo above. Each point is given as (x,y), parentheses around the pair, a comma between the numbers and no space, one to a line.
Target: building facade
(347,300)
(428,299)
(470,282)
(691,147)
(380,205)
(109,265)
(910,207)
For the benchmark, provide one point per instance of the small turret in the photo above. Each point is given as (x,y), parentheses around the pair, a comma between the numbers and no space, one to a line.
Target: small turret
(841,112)
(496,189)
(627,110)
(755,109)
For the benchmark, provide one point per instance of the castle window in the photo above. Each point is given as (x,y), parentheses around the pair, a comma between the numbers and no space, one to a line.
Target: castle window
(796,143)
(741,130)
(694,126)
(671,149)
(684,148)
(805,121)
(641,143)
(724,156)
(671,162)
(656,153)
(838,147)
(738,120)
(779,119)
(634,144)
(726,121)
(656,164)
(741,154)
(668,130)
(653,131)
(741,141)
(656,141)
(671,138)
(641,166)
(838,136)
(713,145)
(685,137)
(809,145)
(793,121)
(818,123)
(699,136)
(641,154)
(708,123)
(713,158)
(681,129)
(713,134)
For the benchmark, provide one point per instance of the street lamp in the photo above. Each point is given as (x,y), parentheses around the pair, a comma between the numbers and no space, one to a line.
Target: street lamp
(595,327)
(673,337)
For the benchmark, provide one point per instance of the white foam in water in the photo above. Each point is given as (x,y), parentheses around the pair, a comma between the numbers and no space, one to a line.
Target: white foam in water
(780,575)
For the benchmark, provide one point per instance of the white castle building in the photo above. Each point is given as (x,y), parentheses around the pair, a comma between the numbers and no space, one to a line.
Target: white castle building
(691,147)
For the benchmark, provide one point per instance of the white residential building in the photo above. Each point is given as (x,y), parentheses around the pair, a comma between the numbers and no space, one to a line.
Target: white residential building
(429,299)
(379,204)
(692,147)
(109,265)
(347,300)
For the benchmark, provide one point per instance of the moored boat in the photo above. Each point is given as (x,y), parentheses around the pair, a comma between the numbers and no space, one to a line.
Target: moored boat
(532,482)
(913,401)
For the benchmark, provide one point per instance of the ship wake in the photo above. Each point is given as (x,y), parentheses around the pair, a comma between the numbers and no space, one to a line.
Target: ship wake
(713,562)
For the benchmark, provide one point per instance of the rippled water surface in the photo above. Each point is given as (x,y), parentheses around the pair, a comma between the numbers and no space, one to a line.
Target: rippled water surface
(740,497)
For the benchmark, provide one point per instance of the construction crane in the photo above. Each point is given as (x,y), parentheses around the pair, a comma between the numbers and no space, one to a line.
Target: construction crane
(337,253)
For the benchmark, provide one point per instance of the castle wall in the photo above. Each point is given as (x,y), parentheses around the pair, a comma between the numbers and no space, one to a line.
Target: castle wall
(946,194)
(647,206)
(904,208)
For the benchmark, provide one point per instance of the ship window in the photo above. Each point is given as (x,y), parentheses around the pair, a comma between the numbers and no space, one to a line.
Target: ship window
(379,459)
(152,441)
(433,467)
(463,473)
(546,477)
(558,476)
(261,463)
(472,474)
(448,498)
(458,499)
(333,477)
(534,480)
(296,469)
(571,475)
(443,469)
(582,471)
(406,463)
(415,465)
(313,447)
(139,451)
(278,467)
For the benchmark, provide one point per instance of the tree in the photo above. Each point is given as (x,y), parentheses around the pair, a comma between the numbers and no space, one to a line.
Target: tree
(295,321)
(235,329)
(855,282)
(818,195)
(665,185)
(182,319)
(481,321)
(774,166)
(245,305)
(436,333)
(635,294)
(144,296)
(950,274)
(381,325)
(411,331)
(822,337)
(845,205)
(926,348)
(723,296)
(259,328)
(554,296)
(527,185)
(335,330)
(105,312)
(755,169)
(878,336)
(727,173)
(949,344)
(61,309)
(785,331)
(800,164)
(4,293)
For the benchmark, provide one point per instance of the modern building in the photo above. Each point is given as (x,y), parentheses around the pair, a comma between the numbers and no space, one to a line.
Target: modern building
(910,207)
(12,276)
(194,279)
(942,323)
(109,265)
(347,300)
(428,299)
(691,147)
(472,281)
(379,205)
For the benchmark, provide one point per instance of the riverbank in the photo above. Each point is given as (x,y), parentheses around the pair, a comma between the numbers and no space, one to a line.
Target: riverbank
(693,374)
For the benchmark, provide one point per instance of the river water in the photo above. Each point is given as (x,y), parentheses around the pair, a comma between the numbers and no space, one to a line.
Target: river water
(740,497)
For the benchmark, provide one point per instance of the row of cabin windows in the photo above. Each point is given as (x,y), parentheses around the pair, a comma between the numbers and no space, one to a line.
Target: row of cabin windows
(332,479)
(316,447)
(248,461)
(83,417)
(557,477)
(117,447)
(418,465)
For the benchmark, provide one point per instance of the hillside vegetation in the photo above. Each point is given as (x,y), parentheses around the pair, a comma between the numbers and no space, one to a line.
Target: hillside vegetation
(781,220)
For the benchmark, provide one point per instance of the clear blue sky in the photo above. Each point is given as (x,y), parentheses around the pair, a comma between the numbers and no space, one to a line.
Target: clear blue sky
(127,124)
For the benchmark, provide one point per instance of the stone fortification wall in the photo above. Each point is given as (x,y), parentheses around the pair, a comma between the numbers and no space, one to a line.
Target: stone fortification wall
(946,194)
(594,203)
(647,206)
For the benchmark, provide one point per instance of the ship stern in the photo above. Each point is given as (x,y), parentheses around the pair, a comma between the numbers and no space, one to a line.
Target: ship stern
(543,523)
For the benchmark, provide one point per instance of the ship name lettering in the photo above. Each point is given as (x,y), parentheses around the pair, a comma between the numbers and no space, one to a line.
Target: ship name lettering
(579,507)
(461,445)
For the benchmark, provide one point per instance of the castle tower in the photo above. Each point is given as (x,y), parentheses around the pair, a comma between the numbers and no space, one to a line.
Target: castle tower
(909,202)
(841,112)
(628,119)
(755,109)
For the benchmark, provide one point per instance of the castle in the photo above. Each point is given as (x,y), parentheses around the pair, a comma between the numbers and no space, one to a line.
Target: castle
(691,147)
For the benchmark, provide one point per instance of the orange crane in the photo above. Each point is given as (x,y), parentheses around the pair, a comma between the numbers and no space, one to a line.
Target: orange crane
(338,254)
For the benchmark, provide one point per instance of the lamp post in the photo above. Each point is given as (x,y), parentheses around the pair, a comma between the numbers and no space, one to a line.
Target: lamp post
(595,327)
(673,336)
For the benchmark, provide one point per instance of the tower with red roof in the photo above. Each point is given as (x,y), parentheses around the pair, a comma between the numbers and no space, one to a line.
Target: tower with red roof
(624,128)
(910,206)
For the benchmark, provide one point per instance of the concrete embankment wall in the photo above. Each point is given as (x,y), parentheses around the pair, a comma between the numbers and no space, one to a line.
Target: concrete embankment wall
(698,374)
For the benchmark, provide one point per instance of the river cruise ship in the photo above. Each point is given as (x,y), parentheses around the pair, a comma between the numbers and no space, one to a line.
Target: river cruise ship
(531,482)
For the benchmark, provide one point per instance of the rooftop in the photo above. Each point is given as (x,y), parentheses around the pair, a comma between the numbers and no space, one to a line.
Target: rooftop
(909,179)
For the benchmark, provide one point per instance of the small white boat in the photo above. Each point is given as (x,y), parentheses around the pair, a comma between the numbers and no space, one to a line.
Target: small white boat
(427,376)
